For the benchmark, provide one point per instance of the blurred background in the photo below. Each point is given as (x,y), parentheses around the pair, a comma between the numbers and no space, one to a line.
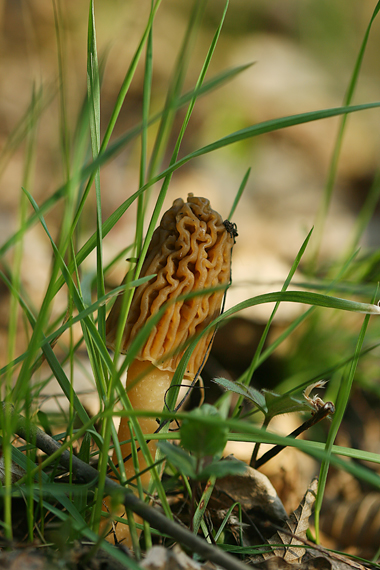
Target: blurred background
(304,52)
(303,55)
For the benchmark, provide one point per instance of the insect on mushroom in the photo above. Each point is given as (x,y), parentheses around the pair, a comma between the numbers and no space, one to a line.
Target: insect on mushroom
(190,251)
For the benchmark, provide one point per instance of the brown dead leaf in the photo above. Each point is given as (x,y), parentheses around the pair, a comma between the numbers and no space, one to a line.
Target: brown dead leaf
(321,559)
(293,537)
(297,525)
(16,471)
(278,563)
(160,558)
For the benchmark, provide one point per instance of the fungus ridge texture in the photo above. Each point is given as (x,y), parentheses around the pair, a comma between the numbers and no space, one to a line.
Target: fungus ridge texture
(190,251)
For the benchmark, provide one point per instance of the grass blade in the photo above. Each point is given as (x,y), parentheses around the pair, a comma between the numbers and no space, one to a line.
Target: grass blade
(239,193)
(341,404)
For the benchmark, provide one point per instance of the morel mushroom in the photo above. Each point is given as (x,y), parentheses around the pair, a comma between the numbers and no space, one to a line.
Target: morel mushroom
(190,251)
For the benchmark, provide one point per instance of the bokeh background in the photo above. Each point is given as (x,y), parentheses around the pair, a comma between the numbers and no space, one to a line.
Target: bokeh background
(304,53)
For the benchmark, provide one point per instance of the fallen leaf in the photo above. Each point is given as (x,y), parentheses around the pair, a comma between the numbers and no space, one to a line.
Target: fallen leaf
(160,558)
(296,527)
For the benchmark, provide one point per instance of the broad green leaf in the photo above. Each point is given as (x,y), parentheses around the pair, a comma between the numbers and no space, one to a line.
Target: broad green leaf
(179,458)
(200,438)
(283,404)
(247,392)
(222,468)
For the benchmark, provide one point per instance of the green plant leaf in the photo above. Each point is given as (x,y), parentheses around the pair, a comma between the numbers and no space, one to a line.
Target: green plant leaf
(247,392)
(222,468)
(200,438)
(283,404)
(179,458)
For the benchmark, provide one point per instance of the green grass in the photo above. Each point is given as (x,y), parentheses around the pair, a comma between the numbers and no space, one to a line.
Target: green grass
(85,151)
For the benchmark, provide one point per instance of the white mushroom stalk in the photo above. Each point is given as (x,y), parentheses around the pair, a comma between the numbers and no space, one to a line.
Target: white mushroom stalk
(190,251)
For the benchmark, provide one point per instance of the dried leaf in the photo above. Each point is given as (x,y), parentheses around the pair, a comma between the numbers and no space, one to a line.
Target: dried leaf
(297,525)
(334,561)
(277,563)
(159,558)
(16,471)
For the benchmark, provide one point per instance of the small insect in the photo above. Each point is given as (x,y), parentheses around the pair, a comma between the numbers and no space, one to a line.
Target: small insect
(231,228)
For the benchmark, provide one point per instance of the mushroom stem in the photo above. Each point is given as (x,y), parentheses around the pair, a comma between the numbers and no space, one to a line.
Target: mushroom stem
(146,386)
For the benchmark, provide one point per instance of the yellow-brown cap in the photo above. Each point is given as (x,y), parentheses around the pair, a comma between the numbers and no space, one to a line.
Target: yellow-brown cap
(190,251)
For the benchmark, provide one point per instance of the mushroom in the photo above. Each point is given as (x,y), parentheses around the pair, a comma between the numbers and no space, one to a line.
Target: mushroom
(190,251)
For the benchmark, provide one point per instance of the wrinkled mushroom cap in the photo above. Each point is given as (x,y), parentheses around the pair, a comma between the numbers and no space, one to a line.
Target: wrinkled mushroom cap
(189,251)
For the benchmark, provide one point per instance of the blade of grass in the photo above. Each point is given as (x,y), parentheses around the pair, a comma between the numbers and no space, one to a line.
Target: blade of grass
(341,404)
(93,88)
(12,328)
(70,198)
(140,493)
(175,86)
(76,296)
(144,141)
(43,315)
(129,76)
(315,299)
(239,193)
